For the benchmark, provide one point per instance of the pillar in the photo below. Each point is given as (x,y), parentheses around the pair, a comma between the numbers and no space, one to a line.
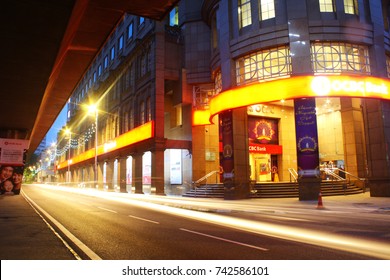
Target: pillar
(109,175)
(137,172)
(99,183)
(158,171)
(377,127)
(235,155)
(307,149)
(122,174)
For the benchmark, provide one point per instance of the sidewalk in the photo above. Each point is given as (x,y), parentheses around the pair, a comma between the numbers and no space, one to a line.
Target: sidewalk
(25,233)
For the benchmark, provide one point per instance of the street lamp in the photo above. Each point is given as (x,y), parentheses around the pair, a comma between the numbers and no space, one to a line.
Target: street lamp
(93,109)
(69,145)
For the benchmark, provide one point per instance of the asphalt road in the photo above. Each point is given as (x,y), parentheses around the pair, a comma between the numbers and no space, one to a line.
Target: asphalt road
(125,230)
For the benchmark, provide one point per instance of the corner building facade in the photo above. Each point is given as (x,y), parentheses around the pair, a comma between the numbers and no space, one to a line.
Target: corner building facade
(252,88)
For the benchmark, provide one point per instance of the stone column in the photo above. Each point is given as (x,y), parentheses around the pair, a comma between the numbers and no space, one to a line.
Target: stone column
(377,116)
(99,183)
(235,159)
(137,172)
(122,174)
(109,175)
(158,171)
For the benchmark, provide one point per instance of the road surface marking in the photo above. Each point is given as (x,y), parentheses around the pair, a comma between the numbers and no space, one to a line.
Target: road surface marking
(226,240)
(109,210)
(142,219)
(91,254)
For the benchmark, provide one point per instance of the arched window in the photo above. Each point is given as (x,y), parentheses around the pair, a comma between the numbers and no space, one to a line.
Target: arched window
(142,113)
(148,110)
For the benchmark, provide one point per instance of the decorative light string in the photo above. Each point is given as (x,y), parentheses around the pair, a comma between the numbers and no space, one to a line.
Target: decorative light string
(75,142)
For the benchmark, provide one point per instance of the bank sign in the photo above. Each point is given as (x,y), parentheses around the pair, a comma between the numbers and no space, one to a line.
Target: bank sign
(265,149)
(324,86)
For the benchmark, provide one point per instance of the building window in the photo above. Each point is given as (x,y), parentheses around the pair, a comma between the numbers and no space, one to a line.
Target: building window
(100,70)
(244,13)
(148,110)
(218,82)
(120,43)
(141,20)
(338,57)
(267,9)
(105,62)
(143,64)
(94,77)
(388,65)
(112,53)
(174,17)
(130,31)
(125,122)
(131,119)
(142,113)
(214,32)
(263,65)
(326,6)
(350,7)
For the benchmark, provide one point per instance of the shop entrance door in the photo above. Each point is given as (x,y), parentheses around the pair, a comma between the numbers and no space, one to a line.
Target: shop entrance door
(263,168)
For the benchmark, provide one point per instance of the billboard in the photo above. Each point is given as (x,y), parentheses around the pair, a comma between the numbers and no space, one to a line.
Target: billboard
(12,159)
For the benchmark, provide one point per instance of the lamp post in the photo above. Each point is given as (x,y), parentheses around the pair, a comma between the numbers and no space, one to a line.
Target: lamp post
(70,140)
(93,109)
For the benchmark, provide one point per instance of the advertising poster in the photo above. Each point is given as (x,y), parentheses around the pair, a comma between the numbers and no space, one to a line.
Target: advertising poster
(12,159)
(227,146)
(176,167)
(307,137)
(263,130)
(147,168)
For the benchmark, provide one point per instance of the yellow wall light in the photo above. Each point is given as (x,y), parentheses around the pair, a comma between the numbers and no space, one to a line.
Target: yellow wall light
(138,134)
(201,117)
(300,87)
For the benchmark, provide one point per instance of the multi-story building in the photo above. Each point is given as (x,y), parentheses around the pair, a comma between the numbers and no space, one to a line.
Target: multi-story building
(251,88)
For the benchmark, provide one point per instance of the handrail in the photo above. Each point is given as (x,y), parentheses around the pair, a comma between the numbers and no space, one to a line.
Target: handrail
(206,176)
(331,172)
(334,175)
(293,173)
(354,176)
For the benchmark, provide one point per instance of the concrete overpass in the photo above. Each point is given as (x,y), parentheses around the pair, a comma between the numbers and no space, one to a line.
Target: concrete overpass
(45,48)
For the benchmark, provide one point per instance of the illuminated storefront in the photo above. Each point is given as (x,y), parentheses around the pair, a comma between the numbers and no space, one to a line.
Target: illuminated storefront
(272,123)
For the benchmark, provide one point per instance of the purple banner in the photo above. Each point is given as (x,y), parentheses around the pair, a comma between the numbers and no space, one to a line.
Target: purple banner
(227,146)
(306,137)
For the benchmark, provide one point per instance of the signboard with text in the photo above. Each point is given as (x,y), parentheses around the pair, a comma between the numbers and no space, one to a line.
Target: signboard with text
(12,159)
(306,137)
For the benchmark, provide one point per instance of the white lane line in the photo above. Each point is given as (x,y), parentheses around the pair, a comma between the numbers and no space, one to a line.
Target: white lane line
(109,210)
(91,254)
(226,240)
(142,219)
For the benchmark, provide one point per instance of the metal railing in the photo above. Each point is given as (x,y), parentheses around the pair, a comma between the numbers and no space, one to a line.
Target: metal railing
(205,177)
(196,183)
(331,172)
(293,174)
